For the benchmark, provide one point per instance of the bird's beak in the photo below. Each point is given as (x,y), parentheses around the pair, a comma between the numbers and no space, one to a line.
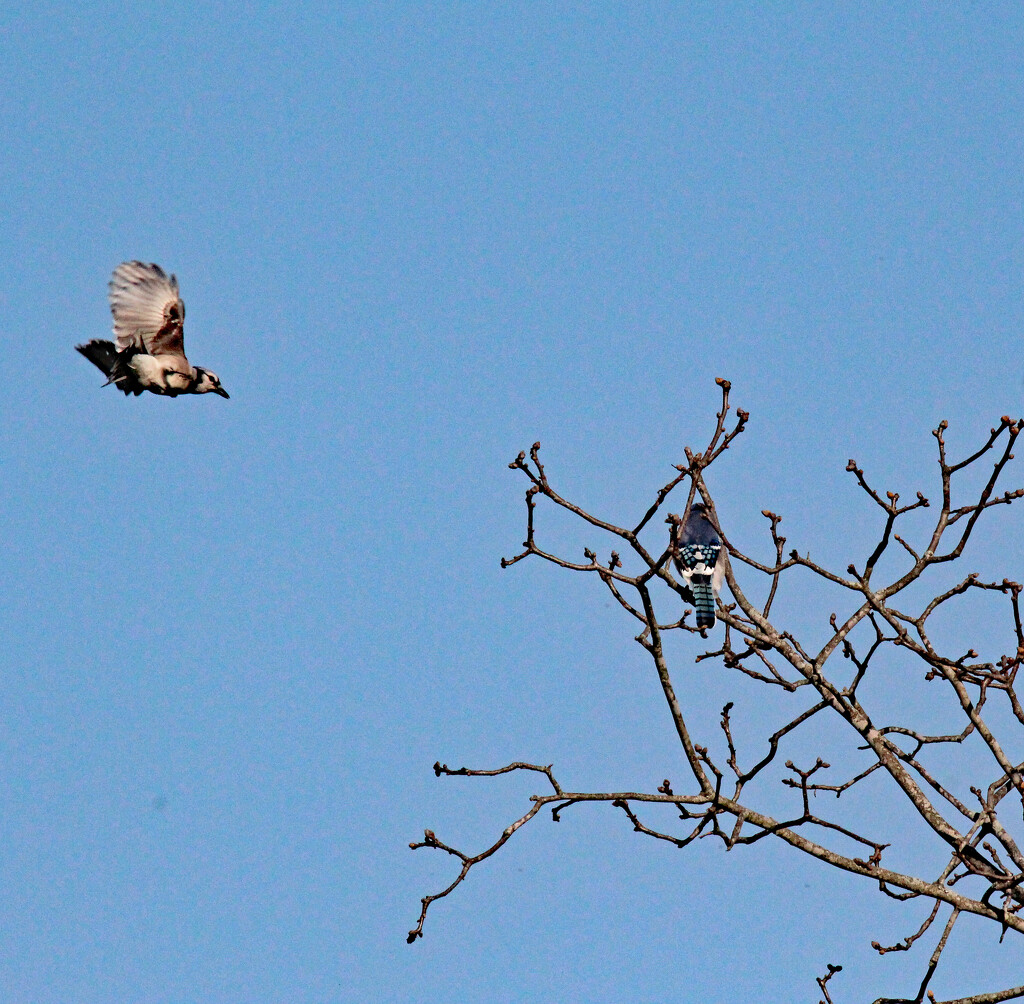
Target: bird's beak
(222,392)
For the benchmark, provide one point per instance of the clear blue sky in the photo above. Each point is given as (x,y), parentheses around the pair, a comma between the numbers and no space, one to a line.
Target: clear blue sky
(413,239)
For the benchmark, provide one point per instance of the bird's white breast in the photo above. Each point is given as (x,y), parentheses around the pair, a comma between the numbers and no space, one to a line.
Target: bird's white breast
(160,373)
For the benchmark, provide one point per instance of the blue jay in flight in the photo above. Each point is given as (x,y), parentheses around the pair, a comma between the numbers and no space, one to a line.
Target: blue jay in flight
(700,558)
(148,352)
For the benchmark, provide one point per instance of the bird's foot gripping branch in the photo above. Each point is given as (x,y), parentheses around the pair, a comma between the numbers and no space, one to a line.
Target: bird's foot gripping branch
(974,821)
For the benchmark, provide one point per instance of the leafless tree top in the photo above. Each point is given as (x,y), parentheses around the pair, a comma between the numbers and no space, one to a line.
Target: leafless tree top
(977,824)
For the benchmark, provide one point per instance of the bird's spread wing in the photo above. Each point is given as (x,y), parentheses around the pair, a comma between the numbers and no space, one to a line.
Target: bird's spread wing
(148,312)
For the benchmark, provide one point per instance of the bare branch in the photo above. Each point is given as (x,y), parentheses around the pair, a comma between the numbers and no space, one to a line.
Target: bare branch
(823,980)
(985,871)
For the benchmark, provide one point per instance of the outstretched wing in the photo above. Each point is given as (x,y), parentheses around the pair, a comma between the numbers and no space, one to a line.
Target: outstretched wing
(148,312)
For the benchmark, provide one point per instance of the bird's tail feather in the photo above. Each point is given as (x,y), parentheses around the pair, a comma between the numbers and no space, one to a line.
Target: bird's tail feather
(101,354)
(703,602)
(104,356)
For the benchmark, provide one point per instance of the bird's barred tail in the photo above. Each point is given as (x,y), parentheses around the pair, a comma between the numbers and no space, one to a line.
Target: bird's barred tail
(703,603)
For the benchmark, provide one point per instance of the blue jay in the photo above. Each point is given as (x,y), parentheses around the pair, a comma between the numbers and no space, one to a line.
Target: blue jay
(149,348)
(700,558)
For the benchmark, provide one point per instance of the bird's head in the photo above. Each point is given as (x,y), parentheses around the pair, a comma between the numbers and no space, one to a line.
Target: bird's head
(208,382)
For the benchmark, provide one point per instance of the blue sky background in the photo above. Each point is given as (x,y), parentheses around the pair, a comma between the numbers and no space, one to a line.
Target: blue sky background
(413,239)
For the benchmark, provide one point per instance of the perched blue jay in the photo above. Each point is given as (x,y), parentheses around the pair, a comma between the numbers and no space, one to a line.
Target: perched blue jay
(700,558)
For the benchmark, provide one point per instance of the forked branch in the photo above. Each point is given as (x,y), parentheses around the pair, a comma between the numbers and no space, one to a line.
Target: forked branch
(979,824)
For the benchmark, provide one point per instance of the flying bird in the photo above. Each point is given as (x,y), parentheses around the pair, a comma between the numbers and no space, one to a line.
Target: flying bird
(700,558)
(148,351)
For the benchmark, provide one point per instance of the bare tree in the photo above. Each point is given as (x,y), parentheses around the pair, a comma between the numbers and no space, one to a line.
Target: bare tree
(971,825)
